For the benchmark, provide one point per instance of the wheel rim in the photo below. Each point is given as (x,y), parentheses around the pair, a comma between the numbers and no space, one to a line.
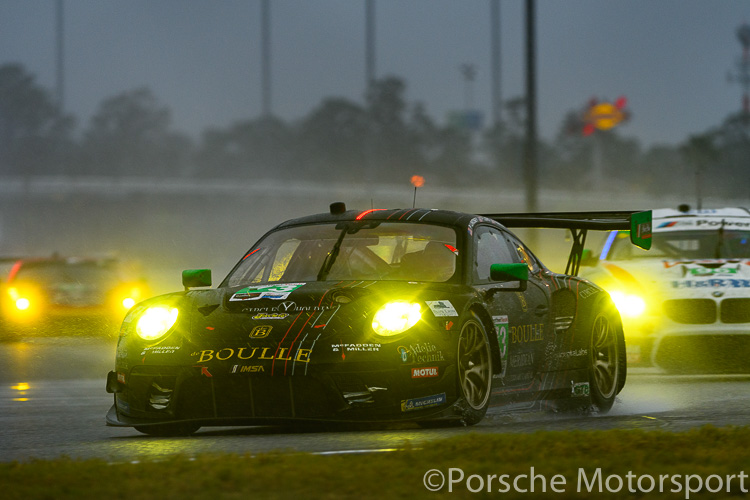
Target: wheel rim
(474,365)
(605,364)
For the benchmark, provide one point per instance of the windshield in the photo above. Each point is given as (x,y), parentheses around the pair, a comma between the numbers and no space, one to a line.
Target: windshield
(350,251)
(673,245)
(57,273)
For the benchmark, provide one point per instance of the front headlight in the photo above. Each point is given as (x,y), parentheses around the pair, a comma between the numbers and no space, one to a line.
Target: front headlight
(155,322)
(25,303)
(396,317)
(629,305)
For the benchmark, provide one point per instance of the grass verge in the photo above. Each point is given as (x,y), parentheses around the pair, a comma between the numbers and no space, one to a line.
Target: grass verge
(693,464)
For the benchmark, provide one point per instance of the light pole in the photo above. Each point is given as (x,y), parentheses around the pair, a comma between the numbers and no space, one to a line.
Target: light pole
(265,44)
(530,150)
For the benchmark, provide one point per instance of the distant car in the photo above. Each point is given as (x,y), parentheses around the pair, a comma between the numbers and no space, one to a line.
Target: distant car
(375,315)
(685,304)
(50,296)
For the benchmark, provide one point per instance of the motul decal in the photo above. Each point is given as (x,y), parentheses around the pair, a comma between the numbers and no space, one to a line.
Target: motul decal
(427,372)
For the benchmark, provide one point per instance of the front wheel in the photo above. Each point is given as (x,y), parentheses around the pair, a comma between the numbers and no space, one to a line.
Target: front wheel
(474,369)
(607,361)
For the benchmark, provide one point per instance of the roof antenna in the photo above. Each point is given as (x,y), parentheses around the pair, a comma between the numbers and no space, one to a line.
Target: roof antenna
(418,182)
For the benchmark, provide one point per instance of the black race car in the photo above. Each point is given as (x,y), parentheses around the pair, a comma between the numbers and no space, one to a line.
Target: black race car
(376,315)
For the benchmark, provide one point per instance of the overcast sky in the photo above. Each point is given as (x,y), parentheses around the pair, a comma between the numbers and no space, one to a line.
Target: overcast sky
(201,58)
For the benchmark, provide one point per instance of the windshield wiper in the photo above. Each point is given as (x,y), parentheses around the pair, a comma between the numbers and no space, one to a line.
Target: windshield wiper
(346,228)
(331,257)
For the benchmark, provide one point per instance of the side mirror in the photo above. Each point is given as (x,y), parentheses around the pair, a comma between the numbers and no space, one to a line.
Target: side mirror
(504,273)
(196,277)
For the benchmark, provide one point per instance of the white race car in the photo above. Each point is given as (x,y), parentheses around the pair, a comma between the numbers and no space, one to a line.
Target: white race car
(685,304)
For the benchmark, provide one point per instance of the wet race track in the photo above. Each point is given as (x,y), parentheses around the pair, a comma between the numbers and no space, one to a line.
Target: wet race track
(53,402)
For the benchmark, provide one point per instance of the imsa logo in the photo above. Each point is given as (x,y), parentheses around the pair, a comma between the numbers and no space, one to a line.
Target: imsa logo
(260,332)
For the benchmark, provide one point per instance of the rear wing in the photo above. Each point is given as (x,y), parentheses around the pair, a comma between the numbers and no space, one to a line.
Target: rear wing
(579,223)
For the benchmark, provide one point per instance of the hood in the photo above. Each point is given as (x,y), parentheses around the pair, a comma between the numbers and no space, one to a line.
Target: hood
(687,278)
(280,312)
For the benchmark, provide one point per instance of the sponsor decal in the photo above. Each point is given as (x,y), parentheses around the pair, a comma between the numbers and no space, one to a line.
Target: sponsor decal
(404,353)
(588,292)
(470,227)
(355,347)
(580,389)
(260,331)
(720,223)
(667,224)
(520,360)
(248,369)
(421,403)
(160,349)
(285,307)
(427,372)
(441,308)
(275,292)
(423,352)
(122,405)
(522,299)
(704,271)
(717,283)
(121,377)
(520,377)
(577,353)
(270,316)
(256,353)
(705,223)
(501,325)
(703,262)
(643,230)
(527,333)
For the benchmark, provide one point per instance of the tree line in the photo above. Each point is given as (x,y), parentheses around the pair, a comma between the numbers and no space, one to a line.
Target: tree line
(383,139)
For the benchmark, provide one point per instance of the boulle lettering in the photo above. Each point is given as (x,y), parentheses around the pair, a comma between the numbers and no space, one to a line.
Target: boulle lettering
(245,353)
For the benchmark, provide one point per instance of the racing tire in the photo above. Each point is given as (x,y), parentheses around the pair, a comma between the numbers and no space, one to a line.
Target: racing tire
(168,430)
(474,366)
(607,360)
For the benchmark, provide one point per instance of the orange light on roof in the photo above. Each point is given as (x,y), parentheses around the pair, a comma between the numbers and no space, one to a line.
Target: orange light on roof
(360,216)
(417,180)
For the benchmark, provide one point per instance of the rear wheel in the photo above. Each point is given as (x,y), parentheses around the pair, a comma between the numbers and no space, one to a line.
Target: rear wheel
(607,360)
(168,430)
(474,369)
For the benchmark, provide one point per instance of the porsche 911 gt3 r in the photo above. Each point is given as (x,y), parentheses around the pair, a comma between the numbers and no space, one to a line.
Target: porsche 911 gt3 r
(686,303)
(377,315)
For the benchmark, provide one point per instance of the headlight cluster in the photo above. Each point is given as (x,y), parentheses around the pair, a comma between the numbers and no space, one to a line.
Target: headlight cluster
(155,322)
(24,302)
(125,297)
(629,305)
(396,317)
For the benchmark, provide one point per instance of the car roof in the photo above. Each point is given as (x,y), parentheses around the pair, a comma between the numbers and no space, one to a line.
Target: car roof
(412,215)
